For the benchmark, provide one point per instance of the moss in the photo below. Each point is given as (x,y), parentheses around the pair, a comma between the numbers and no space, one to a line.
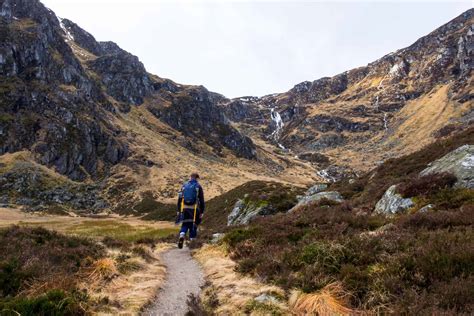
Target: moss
(6,118)
(260,308)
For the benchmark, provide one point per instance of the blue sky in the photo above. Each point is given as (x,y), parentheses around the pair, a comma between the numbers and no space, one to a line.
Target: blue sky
(243,47)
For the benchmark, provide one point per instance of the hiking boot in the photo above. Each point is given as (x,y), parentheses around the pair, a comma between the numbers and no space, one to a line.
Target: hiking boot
(180,242)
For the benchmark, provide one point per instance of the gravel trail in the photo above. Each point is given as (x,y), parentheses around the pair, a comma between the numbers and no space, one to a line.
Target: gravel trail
(183,278)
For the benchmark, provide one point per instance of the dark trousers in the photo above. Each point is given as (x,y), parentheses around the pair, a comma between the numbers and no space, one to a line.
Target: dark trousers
(191,227)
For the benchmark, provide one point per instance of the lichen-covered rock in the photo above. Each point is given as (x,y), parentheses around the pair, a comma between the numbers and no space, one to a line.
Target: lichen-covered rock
(319,187)
(33,189)
(459,162)
(333,196)
(244,212)
(392,202)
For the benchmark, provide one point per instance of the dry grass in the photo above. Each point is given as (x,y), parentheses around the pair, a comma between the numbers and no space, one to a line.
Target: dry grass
(102,269)
(234,292)
(120,281)
(122,228)
(127,293)
(331,300)
(417,122)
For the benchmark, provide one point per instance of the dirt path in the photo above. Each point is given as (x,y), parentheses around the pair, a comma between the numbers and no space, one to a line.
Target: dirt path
(183,278)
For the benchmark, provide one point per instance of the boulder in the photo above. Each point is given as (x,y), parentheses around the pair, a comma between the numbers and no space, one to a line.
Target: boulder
(459,162)
(426,208)
(329,195)
(217,237)
(244,212)
(266,298)
(392,202)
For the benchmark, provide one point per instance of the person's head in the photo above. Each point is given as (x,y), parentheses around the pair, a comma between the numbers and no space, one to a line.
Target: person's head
(194,176)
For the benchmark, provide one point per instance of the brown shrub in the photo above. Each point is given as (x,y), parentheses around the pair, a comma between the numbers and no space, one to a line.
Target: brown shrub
(426,185)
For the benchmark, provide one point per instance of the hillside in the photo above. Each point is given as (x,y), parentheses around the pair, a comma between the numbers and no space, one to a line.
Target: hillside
(345,258)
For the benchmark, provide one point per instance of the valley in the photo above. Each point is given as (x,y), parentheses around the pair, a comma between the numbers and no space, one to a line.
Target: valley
(341,196)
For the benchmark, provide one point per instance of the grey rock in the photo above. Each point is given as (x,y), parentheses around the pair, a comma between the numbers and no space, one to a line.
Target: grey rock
(329,195)
(459,162)
(426,208)
(243,213)
(266,298)
(319,187)
(197,115)
(217,237)
(392,202)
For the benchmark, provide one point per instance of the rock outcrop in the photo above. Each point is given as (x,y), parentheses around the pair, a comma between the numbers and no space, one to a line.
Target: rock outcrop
(331,196)
(459,162)
(243,213)
(392,203)
(196,114)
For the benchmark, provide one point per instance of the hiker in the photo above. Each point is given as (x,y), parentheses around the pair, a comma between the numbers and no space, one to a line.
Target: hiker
(190,208)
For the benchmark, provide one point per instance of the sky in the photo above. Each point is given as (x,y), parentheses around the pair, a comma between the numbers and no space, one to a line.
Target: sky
(240,47)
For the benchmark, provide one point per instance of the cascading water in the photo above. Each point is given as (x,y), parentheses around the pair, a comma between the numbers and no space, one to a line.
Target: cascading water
(276,118)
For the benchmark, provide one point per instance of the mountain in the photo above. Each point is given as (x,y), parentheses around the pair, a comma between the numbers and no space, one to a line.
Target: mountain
(85,127)
(363,116)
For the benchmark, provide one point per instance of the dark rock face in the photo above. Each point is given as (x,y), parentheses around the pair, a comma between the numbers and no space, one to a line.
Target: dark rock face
(32,190)
(196,114)
(315,157)
(82,38)
(49,103)
(326,123)
(124,76)
(243,110)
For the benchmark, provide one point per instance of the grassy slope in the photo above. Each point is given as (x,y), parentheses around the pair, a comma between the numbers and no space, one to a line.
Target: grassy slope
(419,263)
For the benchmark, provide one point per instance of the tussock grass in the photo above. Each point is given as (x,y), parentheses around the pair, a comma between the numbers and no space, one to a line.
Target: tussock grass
(331,300)
(101,269)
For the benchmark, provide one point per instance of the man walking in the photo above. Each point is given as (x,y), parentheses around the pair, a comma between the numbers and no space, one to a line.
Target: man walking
(190,208)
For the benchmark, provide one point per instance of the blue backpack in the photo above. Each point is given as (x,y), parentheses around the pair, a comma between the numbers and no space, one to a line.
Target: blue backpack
(190,192)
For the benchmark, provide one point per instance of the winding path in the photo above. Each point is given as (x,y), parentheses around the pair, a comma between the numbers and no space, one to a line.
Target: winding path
(184,277)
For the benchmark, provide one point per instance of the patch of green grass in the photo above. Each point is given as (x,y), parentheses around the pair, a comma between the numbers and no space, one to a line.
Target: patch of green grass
(260,308)
(120,231)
